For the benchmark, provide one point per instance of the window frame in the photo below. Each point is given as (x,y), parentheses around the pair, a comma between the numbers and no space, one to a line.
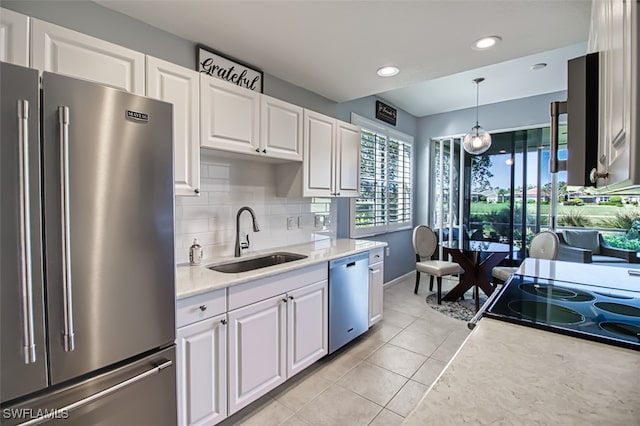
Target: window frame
(388,133)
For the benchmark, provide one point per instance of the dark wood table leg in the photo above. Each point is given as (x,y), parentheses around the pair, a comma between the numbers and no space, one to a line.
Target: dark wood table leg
(467,280)
(484,271)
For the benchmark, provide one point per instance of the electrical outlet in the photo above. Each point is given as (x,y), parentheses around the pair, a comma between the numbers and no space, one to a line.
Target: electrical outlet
(291,223)
(319,220)
(387,251)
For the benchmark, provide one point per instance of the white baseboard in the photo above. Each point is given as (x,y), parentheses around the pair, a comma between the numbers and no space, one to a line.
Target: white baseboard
(398,279)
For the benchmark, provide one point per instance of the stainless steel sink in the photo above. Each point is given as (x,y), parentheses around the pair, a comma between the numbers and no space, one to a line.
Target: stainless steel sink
(257,262)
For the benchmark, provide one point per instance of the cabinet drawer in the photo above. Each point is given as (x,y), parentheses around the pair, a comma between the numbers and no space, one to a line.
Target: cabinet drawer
(202,306)
(376,255)
(261,289)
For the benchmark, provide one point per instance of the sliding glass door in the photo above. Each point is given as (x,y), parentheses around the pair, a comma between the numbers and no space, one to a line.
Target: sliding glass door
(506,191)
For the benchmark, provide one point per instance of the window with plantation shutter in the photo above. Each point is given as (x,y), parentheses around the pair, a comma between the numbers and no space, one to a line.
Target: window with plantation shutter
(386,162)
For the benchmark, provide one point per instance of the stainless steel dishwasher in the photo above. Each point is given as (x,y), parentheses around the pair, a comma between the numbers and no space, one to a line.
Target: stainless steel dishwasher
(348,299)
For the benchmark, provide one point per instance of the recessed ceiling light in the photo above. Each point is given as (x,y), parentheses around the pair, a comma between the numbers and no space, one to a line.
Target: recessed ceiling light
(486,42)
(538,66)
(387,71)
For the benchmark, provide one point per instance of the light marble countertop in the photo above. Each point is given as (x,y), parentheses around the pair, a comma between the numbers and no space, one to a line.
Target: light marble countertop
(193,280)
(512,374)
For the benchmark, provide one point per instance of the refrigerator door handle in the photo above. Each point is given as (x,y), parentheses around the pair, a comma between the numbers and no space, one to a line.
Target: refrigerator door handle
(29,346)
(67,289)
(51,414)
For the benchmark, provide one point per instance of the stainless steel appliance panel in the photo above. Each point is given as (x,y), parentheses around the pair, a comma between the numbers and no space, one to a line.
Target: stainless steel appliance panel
(22,342)
(348,299)
(141,393)
(108,200)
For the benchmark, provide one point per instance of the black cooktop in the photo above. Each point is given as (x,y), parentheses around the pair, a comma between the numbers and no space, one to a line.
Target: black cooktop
(597,313)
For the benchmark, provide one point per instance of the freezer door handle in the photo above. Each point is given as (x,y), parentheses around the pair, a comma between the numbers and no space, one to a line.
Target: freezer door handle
(67,289)
(96,396)
(29,346)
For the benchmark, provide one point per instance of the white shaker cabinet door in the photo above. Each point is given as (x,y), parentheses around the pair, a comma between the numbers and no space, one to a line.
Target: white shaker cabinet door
(307,324)
(347,160)
(376,280)
(181,87)
(280,129)
(319,151)
(14,37)
(230,116)
(202,372)
(64,51)
(257,346)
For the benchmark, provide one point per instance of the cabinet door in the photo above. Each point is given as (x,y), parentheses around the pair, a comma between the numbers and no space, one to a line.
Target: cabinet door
(257,346)
(14,37)
(280,129)
(181,87)
(229,116)
(376,279)
(319,152)
(307,324)
(202,372)
(78,55)
(612,37)
(348,160)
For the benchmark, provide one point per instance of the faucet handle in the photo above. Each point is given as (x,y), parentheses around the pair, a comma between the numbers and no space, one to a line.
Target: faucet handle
(245,244)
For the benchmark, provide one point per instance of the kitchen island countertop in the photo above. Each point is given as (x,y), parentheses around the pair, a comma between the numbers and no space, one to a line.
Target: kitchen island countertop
(193,280)
(512,374)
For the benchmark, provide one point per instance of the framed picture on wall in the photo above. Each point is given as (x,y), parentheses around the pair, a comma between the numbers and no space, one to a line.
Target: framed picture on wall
(225,68)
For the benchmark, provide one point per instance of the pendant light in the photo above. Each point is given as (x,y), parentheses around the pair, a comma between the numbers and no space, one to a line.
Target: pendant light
(478,140)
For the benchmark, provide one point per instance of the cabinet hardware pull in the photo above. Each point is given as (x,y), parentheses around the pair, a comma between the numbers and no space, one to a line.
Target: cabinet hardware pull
(284,299)
(291,297)
(594,175)
(257,149)
(67,288)
(224,322)
(203,308)
(264,151)
(197,191)
(350,264)
(26,277)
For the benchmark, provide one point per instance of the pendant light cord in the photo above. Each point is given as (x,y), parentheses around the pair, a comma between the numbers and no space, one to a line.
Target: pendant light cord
(477,102)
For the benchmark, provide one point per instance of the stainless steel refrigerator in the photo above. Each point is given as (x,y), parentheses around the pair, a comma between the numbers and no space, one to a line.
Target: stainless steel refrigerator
(87,269)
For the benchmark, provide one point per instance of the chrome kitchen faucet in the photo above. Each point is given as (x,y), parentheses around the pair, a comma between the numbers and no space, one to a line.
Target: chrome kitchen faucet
(256,228)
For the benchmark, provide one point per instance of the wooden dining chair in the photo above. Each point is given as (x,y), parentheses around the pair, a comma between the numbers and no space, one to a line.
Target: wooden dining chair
(425,243)
(544,245)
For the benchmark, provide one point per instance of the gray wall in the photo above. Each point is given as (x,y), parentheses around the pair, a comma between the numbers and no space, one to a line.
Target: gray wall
(98,21)
(525,112)
(401,259)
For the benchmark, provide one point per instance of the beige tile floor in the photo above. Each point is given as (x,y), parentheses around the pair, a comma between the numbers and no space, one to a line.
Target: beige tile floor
(375,380)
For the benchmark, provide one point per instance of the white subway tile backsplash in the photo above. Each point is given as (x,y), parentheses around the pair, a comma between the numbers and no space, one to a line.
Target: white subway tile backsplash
(229,184)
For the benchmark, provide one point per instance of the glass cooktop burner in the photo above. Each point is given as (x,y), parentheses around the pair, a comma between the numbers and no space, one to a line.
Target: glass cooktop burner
(598,313)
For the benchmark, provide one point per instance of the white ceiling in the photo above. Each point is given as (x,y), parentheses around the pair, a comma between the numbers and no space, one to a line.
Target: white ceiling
(334,48)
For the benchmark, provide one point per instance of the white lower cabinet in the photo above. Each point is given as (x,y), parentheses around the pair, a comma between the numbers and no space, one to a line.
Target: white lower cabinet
(271,340)
(202,372)
(376,281)
(257,346)
(307,323)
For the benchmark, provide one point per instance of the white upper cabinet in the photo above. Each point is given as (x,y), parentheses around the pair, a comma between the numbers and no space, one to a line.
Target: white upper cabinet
(280,129)
(14,37)
(181,87)
(614,34)
(230,116)
(60,50)
(331,160)
(347,160)
(319,152)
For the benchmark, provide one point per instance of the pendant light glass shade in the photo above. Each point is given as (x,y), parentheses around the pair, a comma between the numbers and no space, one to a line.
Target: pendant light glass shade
(478,140)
